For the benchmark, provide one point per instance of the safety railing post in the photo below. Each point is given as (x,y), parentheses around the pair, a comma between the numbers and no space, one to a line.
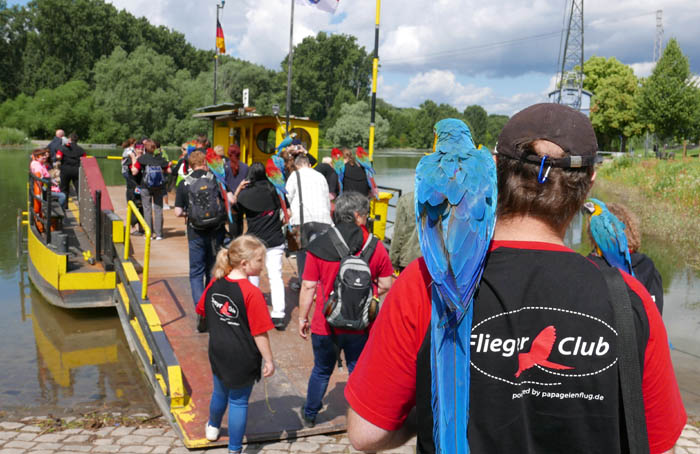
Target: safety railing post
(147,249)
(127,231)
(98,225)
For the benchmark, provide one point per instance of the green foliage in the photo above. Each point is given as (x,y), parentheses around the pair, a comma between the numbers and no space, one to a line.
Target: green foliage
(49,42)
(352,127)
(494,126)
(477,119)
(614,104)
(12,136)
(325,67)
(422,135)
(669,99)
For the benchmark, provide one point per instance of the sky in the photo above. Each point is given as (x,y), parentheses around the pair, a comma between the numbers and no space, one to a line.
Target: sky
(500,54)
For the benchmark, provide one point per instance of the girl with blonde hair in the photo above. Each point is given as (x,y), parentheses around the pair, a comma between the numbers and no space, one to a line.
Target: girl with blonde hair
(239,348)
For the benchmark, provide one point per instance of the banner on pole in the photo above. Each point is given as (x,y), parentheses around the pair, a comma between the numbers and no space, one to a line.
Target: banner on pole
(220,45)
(328,6)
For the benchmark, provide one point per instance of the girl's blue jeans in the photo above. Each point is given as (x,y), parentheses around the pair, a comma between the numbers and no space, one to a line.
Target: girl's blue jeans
(237,400)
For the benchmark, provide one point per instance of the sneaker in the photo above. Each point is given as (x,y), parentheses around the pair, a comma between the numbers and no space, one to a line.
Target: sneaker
(158,238)
(211,432)
(308,421)
(166,206)
(278,323)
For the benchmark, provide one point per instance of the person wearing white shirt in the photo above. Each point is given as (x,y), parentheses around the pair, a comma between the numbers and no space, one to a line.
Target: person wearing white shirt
(309,188)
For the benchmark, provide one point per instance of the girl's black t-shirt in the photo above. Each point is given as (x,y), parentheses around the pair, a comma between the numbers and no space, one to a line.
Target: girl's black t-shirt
(261,206)
(235,311)
(355,180)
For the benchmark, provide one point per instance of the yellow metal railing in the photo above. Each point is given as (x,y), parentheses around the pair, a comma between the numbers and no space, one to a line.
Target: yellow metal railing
(131,208)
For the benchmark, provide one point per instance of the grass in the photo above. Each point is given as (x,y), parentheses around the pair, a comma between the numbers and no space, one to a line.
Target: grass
(12,136)
(664,194)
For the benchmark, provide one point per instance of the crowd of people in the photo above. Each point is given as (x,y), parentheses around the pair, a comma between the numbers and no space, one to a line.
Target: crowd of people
(533,287)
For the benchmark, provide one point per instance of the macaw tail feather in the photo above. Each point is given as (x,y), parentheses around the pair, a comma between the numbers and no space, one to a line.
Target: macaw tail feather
(283,206)
(450,376)
(226,201)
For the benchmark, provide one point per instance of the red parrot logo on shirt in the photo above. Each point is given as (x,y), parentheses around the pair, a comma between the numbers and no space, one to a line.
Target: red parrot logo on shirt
(227,309)
(539,352)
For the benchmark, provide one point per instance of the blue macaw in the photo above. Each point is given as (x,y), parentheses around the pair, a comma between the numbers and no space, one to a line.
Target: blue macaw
(455,199)
(609,235)
(287,141)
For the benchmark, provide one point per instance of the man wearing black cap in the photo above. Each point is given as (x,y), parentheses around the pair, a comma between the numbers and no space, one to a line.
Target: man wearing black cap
(544,348)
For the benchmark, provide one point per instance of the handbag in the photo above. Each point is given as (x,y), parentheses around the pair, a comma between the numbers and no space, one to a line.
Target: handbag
(293,233)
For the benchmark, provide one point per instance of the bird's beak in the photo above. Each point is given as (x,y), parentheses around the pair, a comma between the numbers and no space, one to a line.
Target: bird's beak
(588,207)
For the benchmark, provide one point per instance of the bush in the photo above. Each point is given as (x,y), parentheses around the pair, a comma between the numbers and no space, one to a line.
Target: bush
(12,136)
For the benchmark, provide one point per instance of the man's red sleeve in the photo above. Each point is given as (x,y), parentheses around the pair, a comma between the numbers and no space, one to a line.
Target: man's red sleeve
(311,268)
(382,262)
(137,165)
(663,406)
(59,154)
(382,387)
(259,319)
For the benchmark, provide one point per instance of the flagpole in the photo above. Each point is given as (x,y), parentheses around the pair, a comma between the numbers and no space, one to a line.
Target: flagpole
(289,69)
(216,52)
(375,67)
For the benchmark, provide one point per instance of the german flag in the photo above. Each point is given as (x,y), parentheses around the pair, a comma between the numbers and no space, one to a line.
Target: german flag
(220,45)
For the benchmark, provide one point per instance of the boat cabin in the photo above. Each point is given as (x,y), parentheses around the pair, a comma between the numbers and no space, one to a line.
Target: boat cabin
(256,135)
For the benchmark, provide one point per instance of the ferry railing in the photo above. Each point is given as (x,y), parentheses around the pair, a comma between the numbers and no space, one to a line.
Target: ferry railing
(394,191)
(43,199)
(133,209)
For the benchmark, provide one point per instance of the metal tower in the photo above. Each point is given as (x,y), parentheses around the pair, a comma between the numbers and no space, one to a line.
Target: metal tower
(658,44)
(569,87)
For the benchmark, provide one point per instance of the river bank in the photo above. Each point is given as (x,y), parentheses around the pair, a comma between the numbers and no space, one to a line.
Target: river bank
(672,218)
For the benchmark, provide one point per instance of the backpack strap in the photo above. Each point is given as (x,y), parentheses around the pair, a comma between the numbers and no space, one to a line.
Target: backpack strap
(369,247)
(629,371)
(339,243)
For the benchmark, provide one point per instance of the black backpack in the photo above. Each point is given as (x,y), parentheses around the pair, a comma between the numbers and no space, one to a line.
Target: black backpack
(351,304)
(205,206)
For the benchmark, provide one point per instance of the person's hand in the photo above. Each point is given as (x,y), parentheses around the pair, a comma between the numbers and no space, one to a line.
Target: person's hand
(268,368)
(241,186)
(304,328)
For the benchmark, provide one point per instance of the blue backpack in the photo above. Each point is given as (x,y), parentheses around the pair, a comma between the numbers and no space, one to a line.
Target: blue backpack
(153,176)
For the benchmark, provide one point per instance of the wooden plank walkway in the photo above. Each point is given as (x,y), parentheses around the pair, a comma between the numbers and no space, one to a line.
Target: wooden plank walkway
(274,411)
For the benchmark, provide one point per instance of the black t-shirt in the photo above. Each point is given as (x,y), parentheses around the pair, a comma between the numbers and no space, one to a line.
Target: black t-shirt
(530,301)
(355,179)
(331,177)
(71,155)
(261,206)
(235,311)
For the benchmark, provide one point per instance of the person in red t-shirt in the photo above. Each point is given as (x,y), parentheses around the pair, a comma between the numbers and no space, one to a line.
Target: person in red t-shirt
(544,351)
(238,322)
(322,265)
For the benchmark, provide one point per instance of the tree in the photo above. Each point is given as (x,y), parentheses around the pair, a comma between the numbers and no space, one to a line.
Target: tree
(422,135)
(134,94)
(614,102)
(477,119)
(669,98)
(324,67)
(13,38)
(352,127)
(495,124)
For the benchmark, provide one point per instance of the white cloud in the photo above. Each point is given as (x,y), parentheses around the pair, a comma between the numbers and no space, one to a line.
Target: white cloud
(643,69)
(442,87)
(438,44)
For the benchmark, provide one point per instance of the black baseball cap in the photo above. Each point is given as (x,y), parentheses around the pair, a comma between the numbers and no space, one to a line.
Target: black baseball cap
(557,123)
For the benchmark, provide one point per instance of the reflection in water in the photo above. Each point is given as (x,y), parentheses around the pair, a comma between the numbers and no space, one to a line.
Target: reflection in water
(56,361)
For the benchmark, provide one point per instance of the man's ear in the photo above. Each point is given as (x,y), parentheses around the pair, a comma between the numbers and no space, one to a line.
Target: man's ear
(593,176)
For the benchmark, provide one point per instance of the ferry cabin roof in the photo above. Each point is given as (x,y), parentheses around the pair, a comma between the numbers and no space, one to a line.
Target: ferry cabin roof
(256,135)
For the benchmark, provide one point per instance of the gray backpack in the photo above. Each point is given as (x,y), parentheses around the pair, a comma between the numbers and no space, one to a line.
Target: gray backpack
(351,304)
